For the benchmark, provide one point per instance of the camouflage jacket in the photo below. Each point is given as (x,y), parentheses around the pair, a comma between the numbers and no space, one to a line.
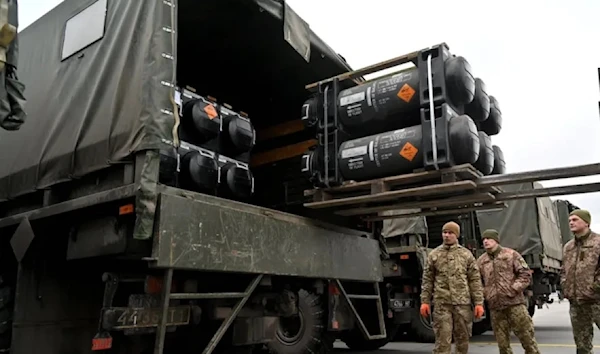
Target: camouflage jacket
(505,276)
(580,275)
(451,275)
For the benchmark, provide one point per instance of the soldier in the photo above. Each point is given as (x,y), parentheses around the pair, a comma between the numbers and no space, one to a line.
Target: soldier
(505,276)
(451,275)
(580,279)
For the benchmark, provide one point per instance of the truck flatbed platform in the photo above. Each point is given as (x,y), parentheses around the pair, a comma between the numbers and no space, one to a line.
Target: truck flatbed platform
(445,191)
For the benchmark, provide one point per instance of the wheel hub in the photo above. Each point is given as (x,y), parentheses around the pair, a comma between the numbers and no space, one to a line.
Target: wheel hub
(291,329)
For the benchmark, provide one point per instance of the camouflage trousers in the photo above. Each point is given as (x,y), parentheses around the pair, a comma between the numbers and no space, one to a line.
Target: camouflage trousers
(517,319)
(583,317)
(449,321)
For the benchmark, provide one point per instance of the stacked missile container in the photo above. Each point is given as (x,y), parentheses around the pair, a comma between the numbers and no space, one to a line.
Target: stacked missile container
(384,127)
(214,149)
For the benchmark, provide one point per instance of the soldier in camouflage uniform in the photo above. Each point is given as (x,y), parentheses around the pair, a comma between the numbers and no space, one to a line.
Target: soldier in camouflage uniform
(505,276)
(451,275)
(580,279)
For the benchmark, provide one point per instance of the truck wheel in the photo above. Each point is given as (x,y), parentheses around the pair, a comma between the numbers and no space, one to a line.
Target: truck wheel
(484,325)
(531,309)
(305,333)
(531,305)
(356,341)
(6,317)
(421,329)
(481,327)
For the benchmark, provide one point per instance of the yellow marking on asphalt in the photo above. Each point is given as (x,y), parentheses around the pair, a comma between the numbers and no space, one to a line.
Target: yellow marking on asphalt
(550,345)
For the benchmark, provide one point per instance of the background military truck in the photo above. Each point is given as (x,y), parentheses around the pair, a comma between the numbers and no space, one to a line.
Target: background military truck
(563,209)
(124,230)
(530,226)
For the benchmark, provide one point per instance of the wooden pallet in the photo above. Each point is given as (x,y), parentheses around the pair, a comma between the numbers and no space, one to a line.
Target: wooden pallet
(439,191)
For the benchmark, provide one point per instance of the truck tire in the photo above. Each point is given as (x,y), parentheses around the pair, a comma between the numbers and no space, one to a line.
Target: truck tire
(305,333)
(421,329)
(531,305)
(484,325)
(531,309)
(481,327)
(356,341)
(6,316)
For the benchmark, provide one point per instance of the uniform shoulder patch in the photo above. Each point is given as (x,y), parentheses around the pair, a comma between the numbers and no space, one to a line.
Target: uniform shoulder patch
(523,263)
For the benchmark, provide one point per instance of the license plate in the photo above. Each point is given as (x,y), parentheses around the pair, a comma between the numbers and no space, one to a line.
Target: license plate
(400,304)
(127,317)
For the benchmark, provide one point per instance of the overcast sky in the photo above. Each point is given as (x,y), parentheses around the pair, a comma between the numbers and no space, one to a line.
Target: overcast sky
(539,58)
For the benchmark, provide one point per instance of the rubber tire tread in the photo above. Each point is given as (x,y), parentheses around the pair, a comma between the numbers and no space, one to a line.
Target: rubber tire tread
(316,339)
(6,317)
(417,331)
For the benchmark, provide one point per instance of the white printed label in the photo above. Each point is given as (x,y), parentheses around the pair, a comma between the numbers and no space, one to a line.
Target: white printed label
(353,98)
(353,152)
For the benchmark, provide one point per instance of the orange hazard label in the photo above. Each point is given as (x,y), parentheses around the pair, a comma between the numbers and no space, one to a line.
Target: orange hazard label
(406,93)
(409,151)
(211,111)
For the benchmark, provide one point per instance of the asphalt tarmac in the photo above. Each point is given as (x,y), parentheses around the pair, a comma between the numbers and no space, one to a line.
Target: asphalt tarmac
(553,334)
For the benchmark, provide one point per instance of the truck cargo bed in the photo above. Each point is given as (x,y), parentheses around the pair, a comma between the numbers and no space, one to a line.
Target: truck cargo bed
(530,226)
(200,232)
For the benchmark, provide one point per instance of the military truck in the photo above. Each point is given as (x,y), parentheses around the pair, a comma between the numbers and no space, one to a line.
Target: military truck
(531,227)
(141,203)
(536,227)
(130,217)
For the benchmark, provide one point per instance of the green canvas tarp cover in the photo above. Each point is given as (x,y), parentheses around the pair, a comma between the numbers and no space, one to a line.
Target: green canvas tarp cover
(100,77)
(563,210)
(530,226)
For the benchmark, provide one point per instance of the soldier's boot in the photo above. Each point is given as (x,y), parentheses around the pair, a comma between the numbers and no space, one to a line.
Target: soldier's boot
(8,33)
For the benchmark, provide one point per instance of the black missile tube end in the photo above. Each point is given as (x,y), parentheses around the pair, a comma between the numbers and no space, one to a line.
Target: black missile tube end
(200,170)
(236,182)
(485,162)
(311,162)
(460,81)
(479,108)
(240,134)
(197,123)
(493,125)
(309,114)
(464,139)
(499,163)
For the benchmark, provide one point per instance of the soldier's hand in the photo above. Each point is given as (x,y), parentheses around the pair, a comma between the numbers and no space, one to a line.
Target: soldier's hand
(479,311)
(425,310)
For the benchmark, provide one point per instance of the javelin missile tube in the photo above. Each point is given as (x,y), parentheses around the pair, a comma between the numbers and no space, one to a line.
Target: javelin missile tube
(393,102)
(479,107)
(493,124)
(485,162)
(214,126)
(400,151)
(206,172)
(499,163)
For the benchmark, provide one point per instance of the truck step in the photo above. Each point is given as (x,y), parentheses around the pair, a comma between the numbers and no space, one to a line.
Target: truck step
(380,316)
